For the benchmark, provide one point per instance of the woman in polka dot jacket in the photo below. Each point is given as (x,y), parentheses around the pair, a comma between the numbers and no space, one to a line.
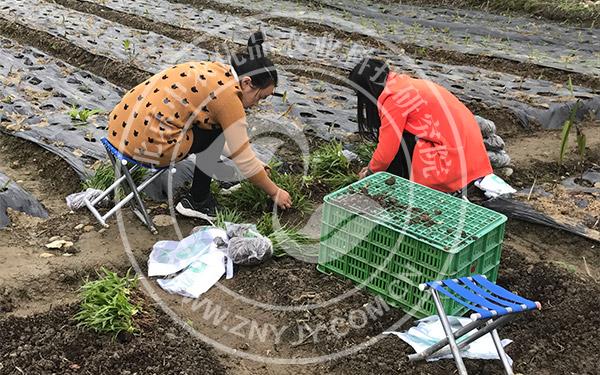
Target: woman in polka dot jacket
(198,107)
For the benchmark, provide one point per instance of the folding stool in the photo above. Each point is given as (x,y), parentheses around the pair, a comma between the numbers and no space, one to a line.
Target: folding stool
(492,306)
(125,166)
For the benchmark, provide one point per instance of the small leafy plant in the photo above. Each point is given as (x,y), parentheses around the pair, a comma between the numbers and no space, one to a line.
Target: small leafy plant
(129,49)
(106,305)
(365,151)
(82,115)
(294,185)
(581,139)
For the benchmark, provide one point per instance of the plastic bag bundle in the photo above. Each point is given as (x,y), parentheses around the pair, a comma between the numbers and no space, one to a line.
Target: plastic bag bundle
(487,127)
(249,251)
(493,143)
(76,201)
(499,159)
(246,245)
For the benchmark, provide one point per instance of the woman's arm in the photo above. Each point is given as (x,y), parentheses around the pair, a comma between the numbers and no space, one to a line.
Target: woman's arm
(230,114)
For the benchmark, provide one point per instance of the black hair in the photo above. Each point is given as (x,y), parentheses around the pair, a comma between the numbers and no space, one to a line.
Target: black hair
(254,63)
(369,78)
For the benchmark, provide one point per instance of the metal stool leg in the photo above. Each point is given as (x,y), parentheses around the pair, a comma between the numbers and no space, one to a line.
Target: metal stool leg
(142,213)
(501,353)
(460,365)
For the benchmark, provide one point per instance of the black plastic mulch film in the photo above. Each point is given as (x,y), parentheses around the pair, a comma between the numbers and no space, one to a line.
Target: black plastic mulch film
(42,89)
(14,197)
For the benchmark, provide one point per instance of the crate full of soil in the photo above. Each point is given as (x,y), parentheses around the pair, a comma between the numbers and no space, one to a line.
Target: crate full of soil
(389,235)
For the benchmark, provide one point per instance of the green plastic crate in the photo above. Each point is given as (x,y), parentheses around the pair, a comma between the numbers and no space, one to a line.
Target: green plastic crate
(391,251)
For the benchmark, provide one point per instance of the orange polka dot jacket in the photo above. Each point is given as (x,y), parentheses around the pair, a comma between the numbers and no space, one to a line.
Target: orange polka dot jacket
(153,122)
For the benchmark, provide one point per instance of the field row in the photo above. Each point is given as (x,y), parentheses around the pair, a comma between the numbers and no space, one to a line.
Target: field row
(525,99)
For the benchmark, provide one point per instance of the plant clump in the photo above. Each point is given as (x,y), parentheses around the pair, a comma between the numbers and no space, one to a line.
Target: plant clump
(106,304)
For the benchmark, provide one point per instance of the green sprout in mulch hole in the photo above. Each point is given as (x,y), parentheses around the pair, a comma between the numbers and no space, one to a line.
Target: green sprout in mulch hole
(81,116)
(4,186)
(8,99)
(106,304)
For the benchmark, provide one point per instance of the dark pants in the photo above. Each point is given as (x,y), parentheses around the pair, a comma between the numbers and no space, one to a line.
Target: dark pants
(402,162)
(210,143)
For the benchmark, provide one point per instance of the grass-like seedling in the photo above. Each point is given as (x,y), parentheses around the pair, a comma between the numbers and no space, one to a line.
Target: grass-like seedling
(286,240)
(250,198)
(365,151)
(106,305)
(246,197)
(581,139)
(330,166)
(82,115)
(104,176)
(227,215)
(294,185)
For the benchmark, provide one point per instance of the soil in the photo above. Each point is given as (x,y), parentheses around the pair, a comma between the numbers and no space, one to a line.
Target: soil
(537,262)
(51,342)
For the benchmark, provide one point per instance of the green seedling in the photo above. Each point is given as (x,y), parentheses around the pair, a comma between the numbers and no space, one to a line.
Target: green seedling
(329,166)
(82,115)
(581,139)
(286,240)
(129,49)
(249,198)
(8,99)
(4,186)
(293,184)
(106,305)
(227,215)
(365,151)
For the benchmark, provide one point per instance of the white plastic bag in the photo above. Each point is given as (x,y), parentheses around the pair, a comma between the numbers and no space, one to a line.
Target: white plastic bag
(493,186)
(169,257)
(76,201)
(200,275)
(429,331)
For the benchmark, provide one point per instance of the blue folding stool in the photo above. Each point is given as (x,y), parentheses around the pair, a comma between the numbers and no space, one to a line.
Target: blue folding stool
(124,167)
(492,307)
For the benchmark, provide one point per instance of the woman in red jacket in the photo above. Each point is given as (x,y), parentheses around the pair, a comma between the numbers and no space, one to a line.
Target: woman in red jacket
(423,132)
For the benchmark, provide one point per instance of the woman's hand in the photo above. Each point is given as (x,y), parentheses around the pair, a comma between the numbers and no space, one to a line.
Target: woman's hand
(363,173)
(282,198)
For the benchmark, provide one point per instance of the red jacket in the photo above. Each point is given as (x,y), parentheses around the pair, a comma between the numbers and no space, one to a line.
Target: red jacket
(449,153)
